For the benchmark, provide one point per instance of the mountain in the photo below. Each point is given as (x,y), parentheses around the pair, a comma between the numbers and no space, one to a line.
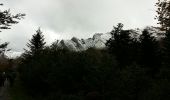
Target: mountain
(13,54)
(99,40)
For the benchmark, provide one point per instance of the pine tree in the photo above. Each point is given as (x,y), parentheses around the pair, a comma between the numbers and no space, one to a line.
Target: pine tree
(120,45)
(166,49)
(149,52)
(115,36)
(7,19)
(36,44)
(163,11)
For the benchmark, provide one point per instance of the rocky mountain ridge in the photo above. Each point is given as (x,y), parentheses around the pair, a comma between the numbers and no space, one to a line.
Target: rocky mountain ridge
(99,40)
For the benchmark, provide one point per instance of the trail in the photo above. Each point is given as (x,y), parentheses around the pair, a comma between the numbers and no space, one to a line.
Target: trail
(4,94)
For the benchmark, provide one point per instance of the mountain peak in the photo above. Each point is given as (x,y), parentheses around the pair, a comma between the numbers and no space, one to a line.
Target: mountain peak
(99,39)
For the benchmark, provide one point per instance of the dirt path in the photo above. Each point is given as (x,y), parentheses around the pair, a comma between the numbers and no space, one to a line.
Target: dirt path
(4,95)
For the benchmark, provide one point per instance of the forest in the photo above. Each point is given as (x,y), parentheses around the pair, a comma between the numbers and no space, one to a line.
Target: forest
(129,68)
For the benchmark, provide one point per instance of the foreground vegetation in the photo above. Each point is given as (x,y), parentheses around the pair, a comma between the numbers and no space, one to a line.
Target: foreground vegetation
(130,68)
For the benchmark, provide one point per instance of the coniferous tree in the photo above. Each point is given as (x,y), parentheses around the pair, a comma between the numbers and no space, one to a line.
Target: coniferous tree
(36,44)
(115,33)
(149,52)
(163,11)
(120,45)
(166,49)
(7,19)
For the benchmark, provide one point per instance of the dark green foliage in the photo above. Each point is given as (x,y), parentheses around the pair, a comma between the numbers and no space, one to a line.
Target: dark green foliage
(66,72)
(130,68)
(36,44)
(149,52)
(163,11)
(121,45)
(115,35)
(7,19)
(166,49)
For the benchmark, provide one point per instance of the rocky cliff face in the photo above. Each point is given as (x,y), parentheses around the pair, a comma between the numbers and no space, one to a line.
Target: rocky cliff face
(99,40)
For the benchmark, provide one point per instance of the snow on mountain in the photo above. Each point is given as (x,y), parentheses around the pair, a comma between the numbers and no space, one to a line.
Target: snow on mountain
(99,39)
(13,54)
(75,44)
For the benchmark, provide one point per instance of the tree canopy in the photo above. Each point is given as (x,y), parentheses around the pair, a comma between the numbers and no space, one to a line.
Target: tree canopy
(163,13)
(7,19)
(36,44)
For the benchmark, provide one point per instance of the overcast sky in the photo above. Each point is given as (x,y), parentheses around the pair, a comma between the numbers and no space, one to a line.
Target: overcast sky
(63,19)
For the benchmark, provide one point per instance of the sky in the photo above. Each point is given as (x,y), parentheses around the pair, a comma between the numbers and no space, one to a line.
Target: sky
(63,19)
